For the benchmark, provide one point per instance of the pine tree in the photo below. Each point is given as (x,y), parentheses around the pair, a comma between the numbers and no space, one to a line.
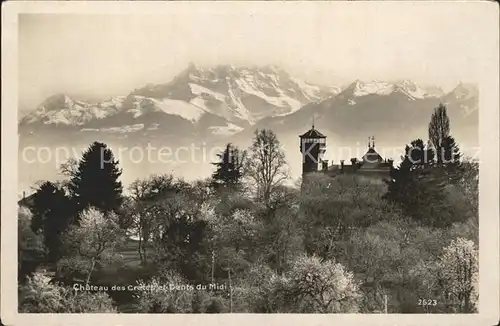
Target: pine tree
(95,183)
(230,168)
(452,164)
(417,186)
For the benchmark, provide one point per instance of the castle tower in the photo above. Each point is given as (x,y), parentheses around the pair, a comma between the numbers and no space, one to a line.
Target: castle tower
(312,147)
(371,156)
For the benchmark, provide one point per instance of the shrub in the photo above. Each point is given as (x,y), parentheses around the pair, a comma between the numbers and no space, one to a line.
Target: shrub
(39,295)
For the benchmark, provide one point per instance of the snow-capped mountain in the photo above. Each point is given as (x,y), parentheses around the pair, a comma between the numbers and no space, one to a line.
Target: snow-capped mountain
(407,87)
(222,99)
(465,96)
(388,110)
(207,107)
(240,93)
(60,109)
(464,91)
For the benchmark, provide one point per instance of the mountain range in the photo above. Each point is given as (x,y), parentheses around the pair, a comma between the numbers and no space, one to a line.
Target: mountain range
(215,105)
(221,100)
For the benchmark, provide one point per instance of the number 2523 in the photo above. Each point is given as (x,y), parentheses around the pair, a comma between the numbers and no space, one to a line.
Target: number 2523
(427,302)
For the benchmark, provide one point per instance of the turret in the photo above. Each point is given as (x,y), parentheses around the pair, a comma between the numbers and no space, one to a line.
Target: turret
(313,148)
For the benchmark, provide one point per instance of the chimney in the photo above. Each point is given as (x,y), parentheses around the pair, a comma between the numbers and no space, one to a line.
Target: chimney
(391,162)
(342,164)
(353,161)
(24,194)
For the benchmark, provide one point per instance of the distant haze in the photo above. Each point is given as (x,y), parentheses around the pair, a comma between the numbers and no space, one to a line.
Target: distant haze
(104,55)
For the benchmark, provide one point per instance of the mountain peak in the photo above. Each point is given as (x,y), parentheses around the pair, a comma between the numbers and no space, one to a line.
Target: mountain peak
(55,102)
(465,91)
(241,95)
(407,87)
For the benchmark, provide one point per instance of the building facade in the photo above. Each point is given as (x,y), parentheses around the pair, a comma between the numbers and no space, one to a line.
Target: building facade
(313,148)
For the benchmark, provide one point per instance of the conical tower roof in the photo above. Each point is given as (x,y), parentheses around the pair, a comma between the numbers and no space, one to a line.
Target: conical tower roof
(312,133)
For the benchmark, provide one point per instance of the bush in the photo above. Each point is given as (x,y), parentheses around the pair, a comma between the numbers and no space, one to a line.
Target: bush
(39,295)
(155,296)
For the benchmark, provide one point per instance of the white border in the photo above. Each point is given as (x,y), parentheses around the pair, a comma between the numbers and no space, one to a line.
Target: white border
(483,14)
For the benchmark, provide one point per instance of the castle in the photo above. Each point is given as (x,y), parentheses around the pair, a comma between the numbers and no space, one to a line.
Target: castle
(313,148)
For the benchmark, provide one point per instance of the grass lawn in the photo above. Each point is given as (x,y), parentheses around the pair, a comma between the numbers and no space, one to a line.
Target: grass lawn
(126,271)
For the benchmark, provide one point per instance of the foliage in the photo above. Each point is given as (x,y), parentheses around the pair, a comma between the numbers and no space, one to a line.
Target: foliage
(281,235)
(331,208)
(93,241)
(333,244)
(309,286)
(261,290)
(321,286)
(40,295)
(439,130)
(157,296)
(266,166)
(145,205)
(52,215)
(381,256)
(178,236)
(443,144)
(31,249)
(459,265)
(468,184)
(422,189)
(96,183)
(229,169)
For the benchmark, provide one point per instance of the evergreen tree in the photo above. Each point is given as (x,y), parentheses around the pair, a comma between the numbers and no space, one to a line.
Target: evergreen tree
(451,164)
(95,183)
(229,172)
(52,214)
(419,187)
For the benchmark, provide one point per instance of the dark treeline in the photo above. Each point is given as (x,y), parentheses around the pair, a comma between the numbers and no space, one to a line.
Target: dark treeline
(244,241)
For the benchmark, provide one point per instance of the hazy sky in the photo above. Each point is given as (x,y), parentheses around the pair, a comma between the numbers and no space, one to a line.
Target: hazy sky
(112,54)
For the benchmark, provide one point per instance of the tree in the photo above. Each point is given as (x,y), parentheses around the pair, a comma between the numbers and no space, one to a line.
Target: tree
(31,249)
(232,241)
(451,165)
(178,235)
(52,215)
(96,183)
(92,242)
(229,170)
(157,296)
(439,130)
(460,271)
(332,208)
(385,256)
(41,295)
(141,220)
(446,149)
(154,197)
(324,287)
(420,188)
(69,168)
(262,290)
(267,165)
(281,236)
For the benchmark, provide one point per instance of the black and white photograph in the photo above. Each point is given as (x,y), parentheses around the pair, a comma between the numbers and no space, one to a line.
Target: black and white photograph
(254,158)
